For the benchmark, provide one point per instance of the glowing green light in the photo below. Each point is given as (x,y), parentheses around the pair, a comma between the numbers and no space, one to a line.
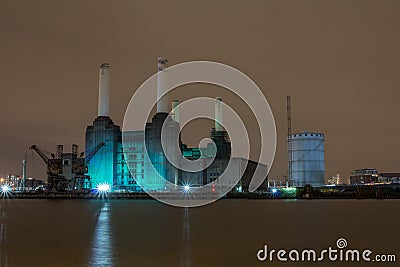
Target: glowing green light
(289,189)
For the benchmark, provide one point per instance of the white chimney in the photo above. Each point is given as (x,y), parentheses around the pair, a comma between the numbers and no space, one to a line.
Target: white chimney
(162,105)
(218,114)
(175,110)
(104,90)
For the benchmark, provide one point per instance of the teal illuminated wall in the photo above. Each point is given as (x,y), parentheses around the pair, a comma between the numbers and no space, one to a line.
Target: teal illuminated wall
(103,166)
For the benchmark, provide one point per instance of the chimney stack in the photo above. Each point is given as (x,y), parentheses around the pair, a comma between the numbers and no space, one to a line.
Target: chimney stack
(162,104)
(218,115)
(104,90)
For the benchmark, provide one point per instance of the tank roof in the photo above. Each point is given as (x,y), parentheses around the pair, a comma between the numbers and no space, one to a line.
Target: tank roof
(305,133)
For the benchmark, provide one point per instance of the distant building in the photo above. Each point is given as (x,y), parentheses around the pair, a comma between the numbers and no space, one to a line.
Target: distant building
(389,177)
(364,176)
(11,180)
(335,180)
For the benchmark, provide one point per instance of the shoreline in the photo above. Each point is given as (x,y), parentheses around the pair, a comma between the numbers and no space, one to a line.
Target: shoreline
(144,196)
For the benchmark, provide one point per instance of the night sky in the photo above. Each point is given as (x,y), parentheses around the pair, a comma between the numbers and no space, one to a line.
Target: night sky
(339,60)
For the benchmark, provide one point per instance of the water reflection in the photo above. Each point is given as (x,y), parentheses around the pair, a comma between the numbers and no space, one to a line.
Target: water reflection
(102,247)
(3,239)
(185,259)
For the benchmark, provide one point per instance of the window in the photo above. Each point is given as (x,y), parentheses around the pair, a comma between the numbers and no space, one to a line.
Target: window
(66,162)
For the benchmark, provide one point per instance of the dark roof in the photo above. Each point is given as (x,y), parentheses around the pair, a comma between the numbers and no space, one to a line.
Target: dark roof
(390,174)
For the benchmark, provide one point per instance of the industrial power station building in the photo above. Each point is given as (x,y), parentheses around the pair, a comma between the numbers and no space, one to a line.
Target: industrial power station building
(109,165)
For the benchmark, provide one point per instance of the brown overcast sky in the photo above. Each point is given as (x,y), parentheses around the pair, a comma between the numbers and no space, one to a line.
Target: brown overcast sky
(339,60)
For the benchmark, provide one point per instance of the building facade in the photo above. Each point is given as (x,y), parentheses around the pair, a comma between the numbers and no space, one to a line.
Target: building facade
(364,176)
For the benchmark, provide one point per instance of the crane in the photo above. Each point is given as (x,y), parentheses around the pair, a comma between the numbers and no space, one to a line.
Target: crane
(56,171)
(289,137)
(55,178)
(80,168)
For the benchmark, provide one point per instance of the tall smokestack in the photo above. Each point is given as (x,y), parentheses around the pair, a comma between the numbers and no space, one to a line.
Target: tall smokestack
(162,105)
(218,114)
(175,110)
(104,90)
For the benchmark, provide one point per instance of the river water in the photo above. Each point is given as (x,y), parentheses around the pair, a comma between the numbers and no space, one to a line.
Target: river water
(228,232)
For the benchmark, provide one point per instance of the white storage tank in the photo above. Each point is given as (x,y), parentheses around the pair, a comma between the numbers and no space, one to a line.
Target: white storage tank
(308,162)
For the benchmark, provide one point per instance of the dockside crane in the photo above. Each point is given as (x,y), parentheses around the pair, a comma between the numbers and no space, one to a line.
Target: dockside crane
(289,138)
(80,168)
(55,179)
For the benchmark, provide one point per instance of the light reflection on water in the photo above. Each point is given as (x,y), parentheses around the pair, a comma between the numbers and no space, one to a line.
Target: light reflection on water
(185,259)
(102,254)
(3,239)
